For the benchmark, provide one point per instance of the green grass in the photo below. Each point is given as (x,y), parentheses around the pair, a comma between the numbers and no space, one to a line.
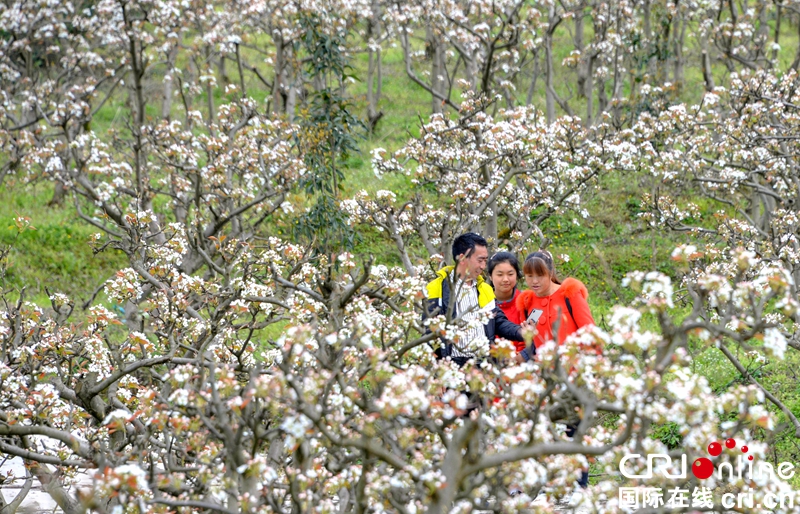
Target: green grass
(601,249)
(56,255)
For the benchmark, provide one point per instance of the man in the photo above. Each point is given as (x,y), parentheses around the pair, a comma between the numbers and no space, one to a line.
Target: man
(462,289)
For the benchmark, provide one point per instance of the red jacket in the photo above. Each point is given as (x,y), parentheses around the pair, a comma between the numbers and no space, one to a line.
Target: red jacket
(550,305)
(513,314)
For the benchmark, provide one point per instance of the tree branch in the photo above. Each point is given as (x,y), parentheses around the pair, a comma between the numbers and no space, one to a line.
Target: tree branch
(74,443)
(540,450)
(102,386)
(192,503)
(44,459)
(770,396)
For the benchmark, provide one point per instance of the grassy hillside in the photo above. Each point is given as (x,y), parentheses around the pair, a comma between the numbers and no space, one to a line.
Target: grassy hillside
(601,250)
(55,256)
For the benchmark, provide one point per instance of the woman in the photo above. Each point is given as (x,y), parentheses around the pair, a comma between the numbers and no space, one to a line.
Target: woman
(549,301)
(553,302)
(504,273)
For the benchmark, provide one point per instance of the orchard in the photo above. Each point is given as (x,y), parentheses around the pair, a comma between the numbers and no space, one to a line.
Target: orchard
(258,344)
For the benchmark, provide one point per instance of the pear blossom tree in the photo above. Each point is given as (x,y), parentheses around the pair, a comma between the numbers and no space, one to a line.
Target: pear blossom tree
(52,80)
(735,150)
(480,48)
(221,173)
(270,33)
(250,374)
(347,410)
(199,406)
(501,176)
(506,48)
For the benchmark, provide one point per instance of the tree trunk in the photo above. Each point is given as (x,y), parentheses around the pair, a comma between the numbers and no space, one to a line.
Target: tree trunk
(377,21)
(59,193)
(761,208)
(224,79)
(590,90)
(796,63)
(372,109)
(212,118)
(380,76)
(373,96)
(422,228)
(602,97)
(452,462)
(550,101)
(472,71)
(648,39)
(706,65)
(534,77)
(399,243)
(663,57)
(678,52)
(436,71)
(763,32)
(616,90)
(279,82)
(291,85)
(778,17)
(583,64)
(166,105)
(490,230)
(51,485)
(242,85)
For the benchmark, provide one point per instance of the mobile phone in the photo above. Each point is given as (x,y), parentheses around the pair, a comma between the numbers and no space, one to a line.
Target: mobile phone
(534,315)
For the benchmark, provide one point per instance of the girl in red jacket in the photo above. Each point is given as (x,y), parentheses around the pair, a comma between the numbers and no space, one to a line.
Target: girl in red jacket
(550,301)
(504,272)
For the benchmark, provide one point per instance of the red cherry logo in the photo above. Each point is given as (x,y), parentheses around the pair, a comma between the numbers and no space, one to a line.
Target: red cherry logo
(702,468)
(730,443)
(750,457)
(714,449)
(744,449)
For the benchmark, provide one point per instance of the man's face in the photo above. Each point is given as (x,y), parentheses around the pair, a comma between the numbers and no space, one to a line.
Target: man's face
(472,265)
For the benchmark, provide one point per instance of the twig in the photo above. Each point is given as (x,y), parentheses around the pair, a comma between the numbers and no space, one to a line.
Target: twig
(770,396)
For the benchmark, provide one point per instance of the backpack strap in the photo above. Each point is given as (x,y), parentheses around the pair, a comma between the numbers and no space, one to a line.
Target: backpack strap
(569,308)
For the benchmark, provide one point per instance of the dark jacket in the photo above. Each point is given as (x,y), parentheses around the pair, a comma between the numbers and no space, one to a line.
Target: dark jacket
(439,298)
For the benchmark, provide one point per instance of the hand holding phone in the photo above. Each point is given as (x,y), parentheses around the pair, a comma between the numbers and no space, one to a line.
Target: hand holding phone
(535,315)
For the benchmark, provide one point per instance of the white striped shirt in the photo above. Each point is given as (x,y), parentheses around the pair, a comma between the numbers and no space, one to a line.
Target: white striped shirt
(473,336)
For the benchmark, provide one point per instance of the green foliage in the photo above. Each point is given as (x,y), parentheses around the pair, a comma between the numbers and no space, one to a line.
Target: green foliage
(330,133)
(669,434)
